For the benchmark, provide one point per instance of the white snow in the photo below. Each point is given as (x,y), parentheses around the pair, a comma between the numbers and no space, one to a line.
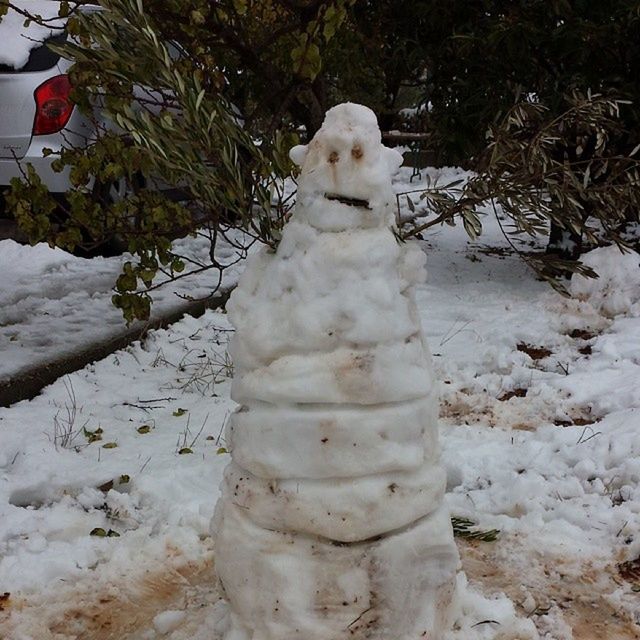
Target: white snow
(167,621)
(346,159)
(617,290)
(556,470)
(503,621)
(18,40)
(53,304)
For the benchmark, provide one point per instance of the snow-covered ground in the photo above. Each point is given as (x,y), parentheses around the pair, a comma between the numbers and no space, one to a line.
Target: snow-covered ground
(540,409)
(53,304)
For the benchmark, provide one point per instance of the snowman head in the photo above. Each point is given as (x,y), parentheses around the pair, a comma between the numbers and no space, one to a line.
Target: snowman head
(346,171)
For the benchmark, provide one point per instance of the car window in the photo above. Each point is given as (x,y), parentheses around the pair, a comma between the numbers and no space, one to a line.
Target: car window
(40,59)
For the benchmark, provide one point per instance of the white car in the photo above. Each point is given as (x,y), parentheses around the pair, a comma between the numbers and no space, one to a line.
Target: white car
(36,111)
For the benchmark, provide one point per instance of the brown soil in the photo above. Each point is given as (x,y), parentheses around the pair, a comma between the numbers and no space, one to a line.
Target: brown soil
(514,393)
(120,611)
(124,611)
(582,334)
(123,614)
(581,602)
(535,353)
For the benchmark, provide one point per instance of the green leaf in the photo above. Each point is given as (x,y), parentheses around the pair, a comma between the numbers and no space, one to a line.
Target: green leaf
(92,436)
(145,428)
(221,450)
(179,412)
(185,450)
(127,282)
(313,62)
(240,6)
(472,224)
(199,99)
(109,445)
(197,17)
(306,58)
(99,532)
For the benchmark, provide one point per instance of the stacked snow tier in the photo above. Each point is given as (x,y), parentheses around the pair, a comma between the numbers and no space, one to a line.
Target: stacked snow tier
(331,523)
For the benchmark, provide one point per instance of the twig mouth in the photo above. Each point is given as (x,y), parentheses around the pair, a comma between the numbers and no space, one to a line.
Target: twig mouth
(351,202)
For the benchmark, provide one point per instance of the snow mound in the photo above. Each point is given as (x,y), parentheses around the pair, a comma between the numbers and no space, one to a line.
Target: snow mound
(16,259)
(18,40)
(482,618)
(168,621)
(617,289)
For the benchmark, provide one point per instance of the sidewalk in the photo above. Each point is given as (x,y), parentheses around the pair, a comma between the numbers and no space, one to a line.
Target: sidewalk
(30,381)
(56,313)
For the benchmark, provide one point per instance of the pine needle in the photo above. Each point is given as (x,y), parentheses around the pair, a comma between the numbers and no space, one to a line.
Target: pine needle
(465,528)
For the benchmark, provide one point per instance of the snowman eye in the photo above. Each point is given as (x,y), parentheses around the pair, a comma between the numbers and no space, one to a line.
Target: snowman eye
(334,157)
(357,152)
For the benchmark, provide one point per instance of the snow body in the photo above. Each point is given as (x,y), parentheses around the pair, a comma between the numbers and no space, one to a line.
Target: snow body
(331,523)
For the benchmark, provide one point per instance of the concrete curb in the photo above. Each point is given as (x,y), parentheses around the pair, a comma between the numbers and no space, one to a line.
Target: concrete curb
(28,384)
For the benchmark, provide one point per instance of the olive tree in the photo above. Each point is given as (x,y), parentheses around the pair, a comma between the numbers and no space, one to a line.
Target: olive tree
(541,99)
(190,95)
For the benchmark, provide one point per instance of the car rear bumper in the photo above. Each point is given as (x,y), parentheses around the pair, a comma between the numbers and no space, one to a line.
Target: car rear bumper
(11,168)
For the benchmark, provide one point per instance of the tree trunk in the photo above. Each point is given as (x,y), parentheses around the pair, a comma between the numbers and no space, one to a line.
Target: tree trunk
(564,243)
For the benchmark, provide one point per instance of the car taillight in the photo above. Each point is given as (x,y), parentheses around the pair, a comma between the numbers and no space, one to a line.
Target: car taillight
(53,105)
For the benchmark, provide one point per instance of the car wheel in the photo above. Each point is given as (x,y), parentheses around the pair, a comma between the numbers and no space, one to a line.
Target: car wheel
(110,193)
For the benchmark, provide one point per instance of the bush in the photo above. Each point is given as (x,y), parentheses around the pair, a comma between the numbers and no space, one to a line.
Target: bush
(540,99)
(154,73)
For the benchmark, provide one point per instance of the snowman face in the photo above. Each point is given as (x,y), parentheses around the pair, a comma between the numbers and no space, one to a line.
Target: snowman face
(346,163)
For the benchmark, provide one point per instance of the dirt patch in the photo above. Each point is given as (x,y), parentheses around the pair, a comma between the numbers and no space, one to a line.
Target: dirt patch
(512,409)
(463,407)
(123,615)
(578,421)
(630,571)
(535,353)
(514,393)
(547,589)
(122,611)
(500,252)
(582,334)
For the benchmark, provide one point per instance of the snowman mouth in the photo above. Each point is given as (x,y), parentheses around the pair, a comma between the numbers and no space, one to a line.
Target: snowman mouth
(350,202)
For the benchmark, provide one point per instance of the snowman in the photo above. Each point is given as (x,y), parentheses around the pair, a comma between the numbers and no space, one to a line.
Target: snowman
(331,522)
